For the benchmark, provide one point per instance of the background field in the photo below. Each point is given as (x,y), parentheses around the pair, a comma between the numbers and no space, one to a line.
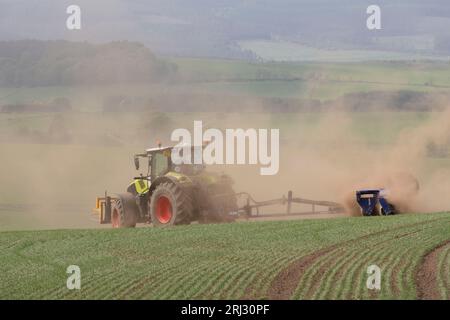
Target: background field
(276,50)
(254,260)
(323,81)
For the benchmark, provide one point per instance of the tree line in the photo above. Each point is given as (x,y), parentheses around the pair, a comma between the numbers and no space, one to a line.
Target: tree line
(28,63)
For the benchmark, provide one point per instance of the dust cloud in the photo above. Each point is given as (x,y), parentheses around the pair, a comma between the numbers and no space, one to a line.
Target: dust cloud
(323,156)
(333,160)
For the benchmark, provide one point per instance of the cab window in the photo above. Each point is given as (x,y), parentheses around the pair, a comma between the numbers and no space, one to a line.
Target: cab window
(160,164)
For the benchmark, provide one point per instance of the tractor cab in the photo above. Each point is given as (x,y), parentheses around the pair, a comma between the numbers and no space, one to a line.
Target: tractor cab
(160,163)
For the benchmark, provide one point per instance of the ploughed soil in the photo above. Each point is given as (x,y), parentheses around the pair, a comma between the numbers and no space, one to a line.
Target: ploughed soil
(426,277)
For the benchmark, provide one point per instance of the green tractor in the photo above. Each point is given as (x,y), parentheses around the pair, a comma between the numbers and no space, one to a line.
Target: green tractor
(170,194)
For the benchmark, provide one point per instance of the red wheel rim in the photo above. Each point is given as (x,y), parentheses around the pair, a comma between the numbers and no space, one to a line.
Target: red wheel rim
(163,209)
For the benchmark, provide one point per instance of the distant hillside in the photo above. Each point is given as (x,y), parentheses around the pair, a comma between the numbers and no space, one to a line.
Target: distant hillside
(200,28)
(49,63)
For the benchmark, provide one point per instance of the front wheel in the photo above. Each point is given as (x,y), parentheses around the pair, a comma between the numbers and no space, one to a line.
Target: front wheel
(124,211)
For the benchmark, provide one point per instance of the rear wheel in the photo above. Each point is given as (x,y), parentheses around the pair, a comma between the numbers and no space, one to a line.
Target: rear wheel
(170,205)
(124,212)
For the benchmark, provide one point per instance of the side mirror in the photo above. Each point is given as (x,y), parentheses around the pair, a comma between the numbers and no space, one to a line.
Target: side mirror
(136,162)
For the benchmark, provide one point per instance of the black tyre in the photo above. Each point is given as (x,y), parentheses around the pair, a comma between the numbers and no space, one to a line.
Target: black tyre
(170,205)
(124,211)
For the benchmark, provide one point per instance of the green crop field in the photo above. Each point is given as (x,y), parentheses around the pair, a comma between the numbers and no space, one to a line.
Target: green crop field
(301,259)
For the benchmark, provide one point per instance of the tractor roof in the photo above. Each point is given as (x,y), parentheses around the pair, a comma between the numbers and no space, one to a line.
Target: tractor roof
(162,149)
(158,149)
